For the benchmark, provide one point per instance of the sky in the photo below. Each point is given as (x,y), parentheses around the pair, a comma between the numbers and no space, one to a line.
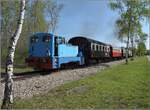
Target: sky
(90,18)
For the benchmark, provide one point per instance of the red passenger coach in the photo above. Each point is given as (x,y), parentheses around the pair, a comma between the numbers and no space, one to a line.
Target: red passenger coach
(116,53)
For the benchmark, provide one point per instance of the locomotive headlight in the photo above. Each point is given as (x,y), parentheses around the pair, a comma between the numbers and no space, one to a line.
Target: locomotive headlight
(56,60)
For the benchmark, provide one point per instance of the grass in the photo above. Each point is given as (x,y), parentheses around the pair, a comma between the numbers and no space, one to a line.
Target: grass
(119,87)
(17,70)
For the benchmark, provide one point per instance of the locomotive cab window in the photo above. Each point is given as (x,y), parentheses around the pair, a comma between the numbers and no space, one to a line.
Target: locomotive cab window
(59,40)
(34,39)
(46,39)
(62,40)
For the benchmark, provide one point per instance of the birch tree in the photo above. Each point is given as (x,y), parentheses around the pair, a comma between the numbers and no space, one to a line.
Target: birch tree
(53,10)
(8,92)
(131,13)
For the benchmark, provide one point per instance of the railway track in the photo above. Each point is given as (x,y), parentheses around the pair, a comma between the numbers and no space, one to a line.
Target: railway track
(30,74)
(24,75)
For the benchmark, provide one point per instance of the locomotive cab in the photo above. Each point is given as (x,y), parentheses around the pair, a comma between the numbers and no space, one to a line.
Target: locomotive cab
(40,46)
(40,51)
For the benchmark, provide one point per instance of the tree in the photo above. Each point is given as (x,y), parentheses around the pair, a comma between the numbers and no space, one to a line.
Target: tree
(142,36)
(8,92)
(131,12)
(52,12)
(8,9)
(37,19)
(141,50)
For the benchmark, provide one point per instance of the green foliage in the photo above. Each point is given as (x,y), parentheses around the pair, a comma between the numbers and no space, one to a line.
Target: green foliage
(37,18)
(35,21)
(131,12)
(119,87)
(141,50)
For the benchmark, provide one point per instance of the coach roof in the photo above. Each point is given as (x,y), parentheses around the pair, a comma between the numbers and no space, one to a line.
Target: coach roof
(88,40)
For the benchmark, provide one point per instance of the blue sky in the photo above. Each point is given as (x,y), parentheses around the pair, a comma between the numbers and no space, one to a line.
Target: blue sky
(90,18)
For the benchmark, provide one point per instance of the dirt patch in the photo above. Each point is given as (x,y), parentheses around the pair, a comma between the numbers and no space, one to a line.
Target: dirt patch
(78,90)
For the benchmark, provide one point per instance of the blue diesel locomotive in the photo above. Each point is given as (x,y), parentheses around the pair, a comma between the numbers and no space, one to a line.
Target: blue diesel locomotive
(48,51)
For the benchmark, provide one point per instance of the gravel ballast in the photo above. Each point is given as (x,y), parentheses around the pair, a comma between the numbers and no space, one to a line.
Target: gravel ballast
(43,83)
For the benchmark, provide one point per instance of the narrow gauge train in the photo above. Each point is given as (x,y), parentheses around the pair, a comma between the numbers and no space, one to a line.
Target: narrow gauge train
(48,51)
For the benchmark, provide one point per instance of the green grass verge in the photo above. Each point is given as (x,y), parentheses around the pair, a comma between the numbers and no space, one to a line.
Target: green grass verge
(17,70)
(121,86)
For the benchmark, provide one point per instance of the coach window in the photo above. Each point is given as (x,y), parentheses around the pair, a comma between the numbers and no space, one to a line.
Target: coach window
(103,48)
(96,47)
(100,47)
(93,47)
(108,49)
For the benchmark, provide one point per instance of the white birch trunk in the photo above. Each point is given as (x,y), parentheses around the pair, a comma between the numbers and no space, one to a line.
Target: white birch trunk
(8,92)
